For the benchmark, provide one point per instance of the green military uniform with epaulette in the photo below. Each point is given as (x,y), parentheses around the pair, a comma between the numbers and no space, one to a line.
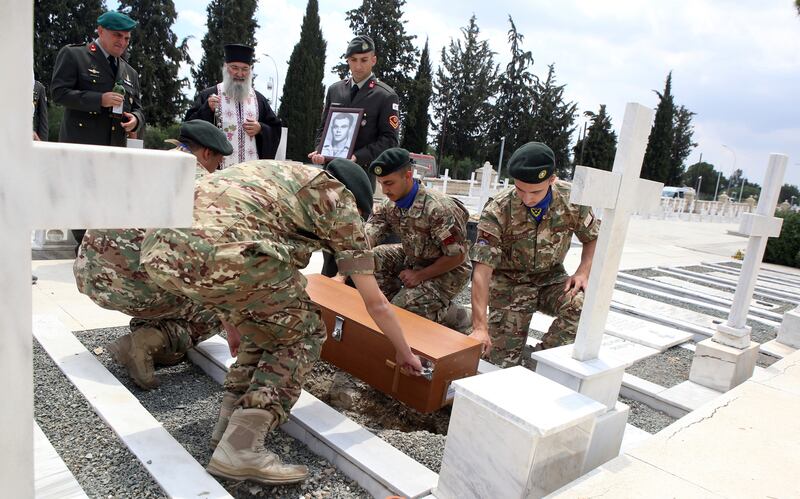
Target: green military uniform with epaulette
(528,261)
(81,75)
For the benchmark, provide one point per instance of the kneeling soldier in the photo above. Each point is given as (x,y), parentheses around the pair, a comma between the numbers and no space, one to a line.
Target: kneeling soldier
(164,326)
(255,226)
(523,237)
(429,267)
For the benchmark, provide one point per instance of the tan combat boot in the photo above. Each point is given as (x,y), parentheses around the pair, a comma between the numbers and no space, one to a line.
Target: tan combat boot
(135,352)
(241,455)
(224,416)
(168,359)
(458,317)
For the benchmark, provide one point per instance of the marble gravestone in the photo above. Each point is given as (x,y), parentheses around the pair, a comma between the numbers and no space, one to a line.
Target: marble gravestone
(728,358)
(584,367)
(504,444)
(59,185)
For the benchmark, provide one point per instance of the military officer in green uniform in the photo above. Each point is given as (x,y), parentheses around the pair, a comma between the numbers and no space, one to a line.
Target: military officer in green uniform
(429,267)
(380,124)
(107,270)
(84,76)
(524,234)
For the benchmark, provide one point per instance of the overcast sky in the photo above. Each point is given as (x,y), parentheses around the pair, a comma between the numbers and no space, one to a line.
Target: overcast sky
(735,63)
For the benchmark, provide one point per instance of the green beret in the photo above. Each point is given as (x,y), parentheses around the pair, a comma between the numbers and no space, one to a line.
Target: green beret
(355,179)
(116,21)
(205,134)
(389,161)
(360,45)
(532,163)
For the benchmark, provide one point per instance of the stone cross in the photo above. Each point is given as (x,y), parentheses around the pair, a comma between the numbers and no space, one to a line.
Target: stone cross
(619,193)
(758,226)
(59,185)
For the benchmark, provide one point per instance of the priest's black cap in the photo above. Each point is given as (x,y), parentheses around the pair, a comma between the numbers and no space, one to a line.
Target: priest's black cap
(235,52)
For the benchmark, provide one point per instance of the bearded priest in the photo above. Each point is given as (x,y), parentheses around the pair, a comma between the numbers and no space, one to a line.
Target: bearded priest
(240,111)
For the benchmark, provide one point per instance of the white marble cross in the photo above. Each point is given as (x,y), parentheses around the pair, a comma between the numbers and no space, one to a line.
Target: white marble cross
(759,226)
(58,185)
(619,193)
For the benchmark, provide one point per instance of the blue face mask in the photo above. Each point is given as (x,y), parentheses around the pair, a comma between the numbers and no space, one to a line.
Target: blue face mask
(407,200)
(539,209)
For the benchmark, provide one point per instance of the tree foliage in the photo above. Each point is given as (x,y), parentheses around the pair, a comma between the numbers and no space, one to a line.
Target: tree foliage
(303,92)
(658,156)
(709,181)
(598,148)
(417,120)
(789,191)
(382,20)
(464,83)
(156,55)
(57,23)
(552,120)
(515,98)
(682,143)
(229,21)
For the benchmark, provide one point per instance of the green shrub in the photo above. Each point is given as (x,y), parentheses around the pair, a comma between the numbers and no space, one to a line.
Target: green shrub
(785,250)
(154,136)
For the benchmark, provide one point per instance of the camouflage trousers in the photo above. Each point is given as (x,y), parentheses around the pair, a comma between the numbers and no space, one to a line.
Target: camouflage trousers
(429,299)
(282,330)
(512,303)
(120,285)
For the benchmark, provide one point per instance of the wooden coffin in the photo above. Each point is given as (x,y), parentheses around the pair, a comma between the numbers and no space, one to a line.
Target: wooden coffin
(357,346)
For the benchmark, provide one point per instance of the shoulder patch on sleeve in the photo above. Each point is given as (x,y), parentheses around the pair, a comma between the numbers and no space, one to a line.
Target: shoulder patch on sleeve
(394,121)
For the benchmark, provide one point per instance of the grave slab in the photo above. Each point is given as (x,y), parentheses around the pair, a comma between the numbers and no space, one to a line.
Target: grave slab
(644,332)
(731,284)
(666,310)
(763,274)
(53,480)
(768,286)
(775,348)
(502,445)
(174,469)
(609,432)
(721,367)
(689,395)
(699,290)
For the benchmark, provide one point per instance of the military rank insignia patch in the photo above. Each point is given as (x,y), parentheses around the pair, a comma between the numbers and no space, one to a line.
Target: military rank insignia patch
(394,121)
(536,212)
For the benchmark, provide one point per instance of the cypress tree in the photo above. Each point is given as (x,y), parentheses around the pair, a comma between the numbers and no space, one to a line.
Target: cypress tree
(156,55)
(600,144)
(57,23)
(229,21)
(682,144)
(515,97)
(417,121)
(658,156)
(552,120)
(382,20)
(465,82)
(303,93)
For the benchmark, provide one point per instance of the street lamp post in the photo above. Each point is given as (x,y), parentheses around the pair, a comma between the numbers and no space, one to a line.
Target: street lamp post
(716,189)
(500,161)
(699,183)
(733,170)
(741,189)
(277,82)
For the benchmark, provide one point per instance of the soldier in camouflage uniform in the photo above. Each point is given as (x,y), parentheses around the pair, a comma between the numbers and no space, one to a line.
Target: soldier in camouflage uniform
(255,226)
(523,237)
(429,266)
(164,325)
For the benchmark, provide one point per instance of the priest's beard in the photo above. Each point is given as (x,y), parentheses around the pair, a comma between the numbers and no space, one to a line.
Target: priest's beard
(236,90)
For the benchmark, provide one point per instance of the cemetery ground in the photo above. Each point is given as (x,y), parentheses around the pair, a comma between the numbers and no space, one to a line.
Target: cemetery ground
(188,401)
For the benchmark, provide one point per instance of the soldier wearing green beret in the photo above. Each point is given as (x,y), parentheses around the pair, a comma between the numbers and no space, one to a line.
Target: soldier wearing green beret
(380,125)
(84,77)
(429,267)
(524,234)
(164,326)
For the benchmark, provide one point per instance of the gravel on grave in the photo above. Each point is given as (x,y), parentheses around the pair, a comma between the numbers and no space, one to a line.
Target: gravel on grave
(645,417)
(187,404)
(669,368)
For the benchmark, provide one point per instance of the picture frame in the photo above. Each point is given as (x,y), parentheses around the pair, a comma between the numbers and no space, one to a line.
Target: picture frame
(341,130)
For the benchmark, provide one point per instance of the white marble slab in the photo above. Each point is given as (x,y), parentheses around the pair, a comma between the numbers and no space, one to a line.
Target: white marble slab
(644,332)
(667,310)
(502,445)
(763,274)
(760,283)
(373,463)
(699,289)
(731,284)
(606,442)
(53,480)
(722,367)
(775,348)
(174,469)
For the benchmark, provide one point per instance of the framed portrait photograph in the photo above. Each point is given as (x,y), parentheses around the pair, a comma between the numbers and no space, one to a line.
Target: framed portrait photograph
(340,132)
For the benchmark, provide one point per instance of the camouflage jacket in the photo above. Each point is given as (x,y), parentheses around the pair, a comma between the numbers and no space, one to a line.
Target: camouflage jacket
(510,240)
(263,219)
(434,226)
